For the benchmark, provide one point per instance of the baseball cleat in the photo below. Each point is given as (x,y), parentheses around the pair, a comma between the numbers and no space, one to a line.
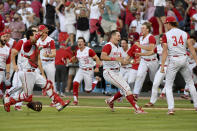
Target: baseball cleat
(149,104)
(75,103)
(170,112)
(67,102)
(18,108)
(6,105)
(185,97)
(140,111)
(162,95)
(110,104)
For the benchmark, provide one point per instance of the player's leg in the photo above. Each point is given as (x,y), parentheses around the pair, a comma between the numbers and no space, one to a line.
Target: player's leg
(141,75)
(2,76)
(88,79)
(187,75)
(77,80)
(50,72)
(47,86)
(117,80)
(157,81)
(132,76)
(153,67)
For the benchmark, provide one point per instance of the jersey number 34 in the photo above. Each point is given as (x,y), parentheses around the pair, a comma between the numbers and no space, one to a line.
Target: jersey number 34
(180,41)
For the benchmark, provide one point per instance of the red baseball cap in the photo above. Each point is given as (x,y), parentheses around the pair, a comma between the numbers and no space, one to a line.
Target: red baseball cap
(2,33)
(170,19)
(42,27)
(67,3)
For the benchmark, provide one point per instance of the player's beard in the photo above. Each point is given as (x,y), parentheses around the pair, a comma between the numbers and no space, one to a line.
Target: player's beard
(3,42)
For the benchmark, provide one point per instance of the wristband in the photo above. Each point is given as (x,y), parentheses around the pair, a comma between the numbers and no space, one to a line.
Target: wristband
(113,58)
(97,65)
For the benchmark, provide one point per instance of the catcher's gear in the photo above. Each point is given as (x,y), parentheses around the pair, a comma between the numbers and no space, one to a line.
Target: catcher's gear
(195,70)
(35,105)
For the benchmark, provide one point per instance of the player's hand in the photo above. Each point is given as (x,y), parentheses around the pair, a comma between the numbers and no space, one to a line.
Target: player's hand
(137,43)
(96,70)
(15,67)
(138,54)
(120,59)
(162,69)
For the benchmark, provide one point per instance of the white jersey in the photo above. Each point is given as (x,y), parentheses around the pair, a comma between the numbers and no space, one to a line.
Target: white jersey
(85,61)
(124,55)
(4,54)
(177,42)
(115,52)
(45,47)
(159,52)
(145,42)
(11,43)
(20,59)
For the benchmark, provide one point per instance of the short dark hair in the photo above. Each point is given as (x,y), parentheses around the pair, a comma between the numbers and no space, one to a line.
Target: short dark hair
(32,26)
(174,24)
(29,33)
(82,39)
(125,39)
(148,26)
(113,32)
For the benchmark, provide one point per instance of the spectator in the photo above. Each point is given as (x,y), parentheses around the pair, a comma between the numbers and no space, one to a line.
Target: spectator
(37,8)
(63,35)
(17,27)
(149,9)
(1,23)
(61,69)
(110,15)
(70,20)
(82,22)
(137,23)
(50,13)
(2,8)
(133,35)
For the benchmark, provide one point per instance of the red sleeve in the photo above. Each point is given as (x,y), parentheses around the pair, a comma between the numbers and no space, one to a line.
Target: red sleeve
(152,40)
(52,44)
(92,53)
(14,44)
(27,46)
(107,49)
(130,52)
(178,15)
(9,58)
(164,39)
(188,36)
(18,45)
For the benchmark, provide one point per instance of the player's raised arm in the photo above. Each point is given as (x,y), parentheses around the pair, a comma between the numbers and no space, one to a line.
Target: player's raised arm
(192,49)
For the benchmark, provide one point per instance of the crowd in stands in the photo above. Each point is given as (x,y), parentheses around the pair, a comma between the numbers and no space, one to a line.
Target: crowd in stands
(95,19)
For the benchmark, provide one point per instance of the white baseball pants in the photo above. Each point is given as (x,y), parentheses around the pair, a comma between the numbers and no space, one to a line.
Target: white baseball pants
(176,64)
(144,67)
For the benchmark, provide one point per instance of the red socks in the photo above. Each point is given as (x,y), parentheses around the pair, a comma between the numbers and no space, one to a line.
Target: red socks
(116,96)
(130,98)
(75,88)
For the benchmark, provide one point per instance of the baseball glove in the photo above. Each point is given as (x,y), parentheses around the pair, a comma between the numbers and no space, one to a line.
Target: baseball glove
(35,105)
(195,70)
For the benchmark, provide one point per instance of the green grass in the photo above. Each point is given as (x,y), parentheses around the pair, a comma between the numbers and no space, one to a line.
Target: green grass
(99,119)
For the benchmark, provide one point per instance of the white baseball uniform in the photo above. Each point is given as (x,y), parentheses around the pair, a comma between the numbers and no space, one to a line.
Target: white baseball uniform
(48,63)
(147,64)
(125,69)
(159,77)
(178,61)
(86,67)
(111,69)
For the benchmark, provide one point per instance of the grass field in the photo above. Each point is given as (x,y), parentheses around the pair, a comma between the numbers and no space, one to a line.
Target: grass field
(92,114)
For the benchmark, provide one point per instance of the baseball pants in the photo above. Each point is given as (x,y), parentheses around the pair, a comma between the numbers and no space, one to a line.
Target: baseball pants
(176,64)
(144,67)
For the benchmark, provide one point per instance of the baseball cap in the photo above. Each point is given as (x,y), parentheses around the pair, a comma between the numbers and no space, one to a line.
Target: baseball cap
(67,3)
(170,19)
(2,33)
(41,27)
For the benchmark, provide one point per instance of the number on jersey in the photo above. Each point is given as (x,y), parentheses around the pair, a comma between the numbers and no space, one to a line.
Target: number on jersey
(180,41)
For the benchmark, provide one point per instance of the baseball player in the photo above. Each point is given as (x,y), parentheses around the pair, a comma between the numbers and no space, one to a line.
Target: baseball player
(175,42)
(29,77)
(47,53)
(111,56)
(85,56)
(147,63)
(159,77)
(4,58)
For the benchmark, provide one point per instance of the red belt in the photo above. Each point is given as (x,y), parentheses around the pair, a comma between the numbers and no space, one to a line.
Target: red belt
(149,59)
(178,55)
(1,69)
(87,69)
(113,68)
(30,70)
(46,60)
